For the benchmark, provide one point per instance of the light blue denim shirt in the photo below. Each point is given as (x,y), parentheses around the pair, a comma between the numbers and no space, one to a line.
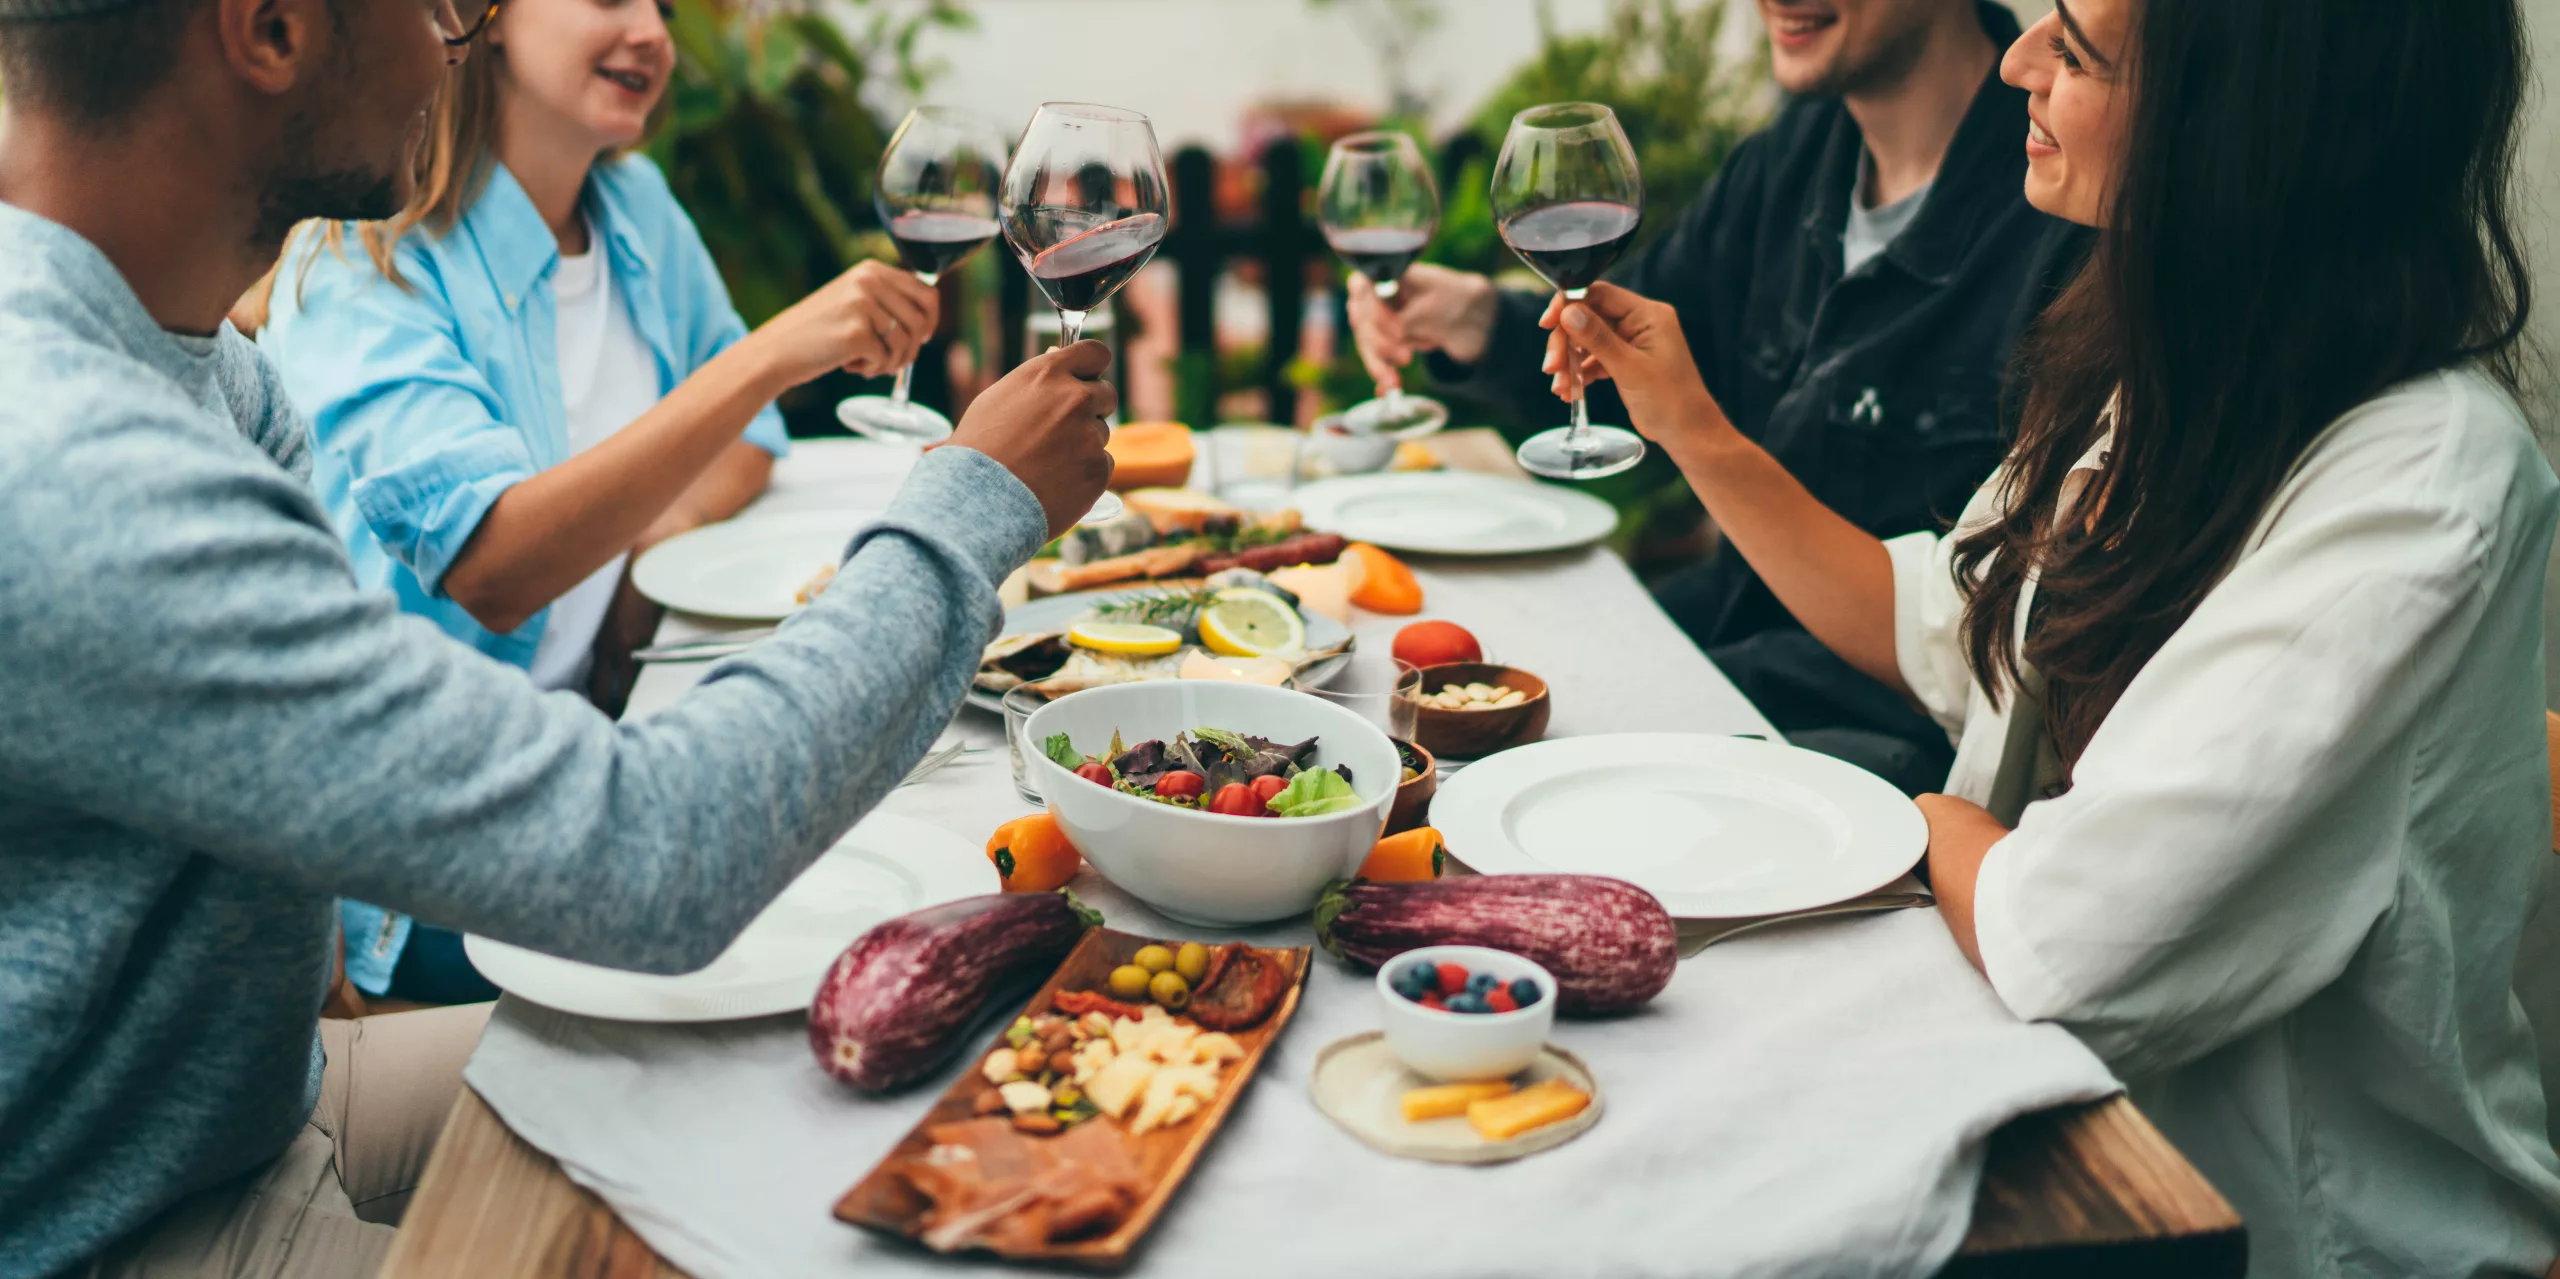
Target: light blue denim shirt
(430,400)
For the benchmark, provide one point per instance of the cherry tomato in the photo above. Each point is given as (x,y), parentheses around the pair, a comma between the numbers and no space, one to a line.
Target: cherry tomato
(1094,772)
(1180,786)
(1235,799)
(1263,789)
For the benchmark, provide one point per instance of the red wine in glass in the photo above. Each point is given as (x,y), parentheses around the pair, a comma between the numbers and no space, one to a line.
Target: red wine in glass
(1379,205)
(936,193)
(1572,245)
(1567,197)
(1085,203)
(1080,271)
(931,242)
(1379,252)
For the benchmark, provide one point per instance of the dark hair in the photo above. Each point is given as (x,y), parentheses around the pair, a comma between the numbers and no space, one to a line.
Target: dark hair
(2313,206)
(95,68)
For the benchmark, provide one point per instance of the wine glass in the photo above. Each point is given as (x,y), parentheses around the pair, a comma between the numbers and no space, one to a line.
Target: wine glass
(1084,208)
(1379,206)
(936,192)
(1567,199)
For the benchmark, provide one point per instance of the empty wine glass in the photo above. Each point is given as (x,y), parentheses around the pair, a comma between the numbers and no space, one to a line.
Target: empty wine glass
(936,192)
(1567,198)
(1084,207)
(1379,206)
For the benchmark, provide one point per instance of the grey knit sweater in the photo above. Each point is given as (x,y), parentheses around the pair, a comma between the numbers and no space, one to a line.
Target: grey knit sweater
(207,732)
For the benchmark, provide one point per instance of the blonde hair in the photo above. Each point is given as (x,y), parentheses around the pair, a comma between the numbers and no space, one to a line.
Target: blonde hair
(451,171)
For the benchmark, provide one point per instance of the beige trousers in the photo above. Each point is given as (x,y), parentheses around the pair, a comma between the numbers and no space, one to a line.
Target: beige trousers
(327,1208)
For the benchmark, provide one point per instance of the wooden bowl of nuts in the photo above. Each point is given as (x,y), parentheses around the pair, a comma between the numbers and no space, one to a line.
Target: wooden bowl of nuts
(1412,805)
(1472,709)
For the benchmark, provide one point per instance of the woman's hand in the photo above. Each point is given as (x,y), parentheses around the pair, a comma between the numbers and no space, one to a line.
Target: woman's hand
(1961,834)
(870,320)
(1636,342)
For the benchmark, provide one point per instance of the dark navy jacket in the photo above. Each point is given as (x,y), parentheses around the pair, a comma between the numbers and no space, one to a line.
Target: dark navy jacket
(1880,390)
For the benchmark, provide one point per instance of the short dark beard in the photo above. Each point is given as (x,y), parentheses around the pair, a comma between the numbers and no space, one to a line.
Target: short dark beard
(340,195)
(1885,69)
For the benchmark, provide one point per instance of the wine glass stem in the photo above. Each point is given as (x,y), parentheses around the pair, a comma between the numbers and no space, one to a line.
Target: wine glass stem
(1387,289)
(907,375)
(1575,438)
(1070,328)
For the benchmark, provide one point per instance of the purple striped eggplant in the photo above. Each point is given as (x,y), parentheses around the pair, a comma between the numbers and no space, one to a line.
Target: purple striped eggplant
(895,1005)
(1610,945)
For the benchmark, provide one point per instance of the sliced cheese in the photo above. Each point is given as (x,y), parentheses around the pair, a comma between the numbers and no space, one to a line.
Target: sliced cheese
(1445,1101)
(1323,589)
(1503,1118)
(1117,1086)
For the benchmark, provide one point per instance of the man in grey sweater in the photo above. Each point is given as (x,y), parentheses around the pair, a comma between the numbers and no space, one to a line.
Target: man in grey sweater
(207,732)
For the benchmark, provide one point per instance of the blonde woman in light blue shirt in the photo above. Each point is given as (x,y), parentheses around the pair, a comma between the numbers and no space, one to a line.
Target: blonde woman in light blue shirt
(534,372)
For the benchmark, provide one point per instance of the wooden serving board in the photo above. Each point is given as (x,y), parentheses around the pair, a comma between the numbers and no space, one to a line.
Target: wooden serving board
(884,1202)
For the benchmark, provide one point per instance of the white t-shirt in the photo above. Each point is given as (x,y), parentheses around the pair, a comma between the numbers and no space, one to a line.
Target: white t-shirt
(607,378)
(2283,894)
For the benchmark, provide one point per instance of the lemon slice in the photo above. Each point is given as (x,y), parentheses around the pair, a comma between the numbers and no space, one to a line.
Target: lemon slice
(1116,637)
(1244,622)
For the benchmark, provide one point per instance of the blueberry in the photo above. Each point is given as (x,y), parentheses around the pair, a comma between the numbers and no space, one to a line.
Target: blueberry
(1413,981)
(1483,982)
(1469,1002)
(1524,991)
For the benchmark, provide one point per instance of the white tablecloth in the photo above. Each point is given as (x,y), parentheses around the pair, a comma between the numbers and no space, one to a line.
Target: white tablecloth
(1810,1100)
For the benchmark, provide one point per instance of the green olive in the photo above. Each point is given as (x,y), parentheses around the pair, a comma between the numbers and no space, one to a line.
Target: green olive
(1154,959)
(1192,961)
(1170,990)
(1129,981)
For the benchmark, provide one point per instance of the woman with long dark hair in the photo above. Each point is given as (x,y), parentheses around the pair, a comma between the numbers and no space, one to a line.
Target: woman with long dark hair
(2243,644)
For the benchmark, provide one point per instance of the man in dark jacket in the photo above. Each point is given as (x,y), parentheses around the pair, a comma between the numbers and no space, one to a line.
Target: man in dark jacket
(1852,282)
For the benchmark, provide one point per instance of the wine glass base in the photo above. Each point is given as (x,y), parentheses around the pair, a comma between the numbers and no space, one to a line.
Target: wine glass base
(1407,417)
(882,418)
(1600,451)
(1105,509)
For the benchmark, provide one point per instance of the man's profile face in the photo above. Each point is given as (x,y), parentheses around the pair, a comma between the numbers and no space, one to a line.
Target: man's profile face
(1830,48)
(350,141)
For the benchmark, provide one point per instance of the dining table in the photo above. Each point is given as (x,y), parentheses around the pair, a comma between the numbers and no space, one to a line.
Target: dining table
(2087,1188)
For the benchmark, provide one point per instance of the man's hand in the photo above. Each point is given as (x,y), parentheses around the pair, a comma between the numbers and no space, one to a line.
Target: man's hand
(1044,422)
(870,320)
(1434,309)
(1636,342)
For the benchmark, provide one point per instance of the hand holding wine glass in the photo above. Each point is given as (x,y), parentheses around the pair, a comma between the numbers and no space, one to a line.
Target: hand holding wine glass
(1045,422)
(936,194)
(1084,207)
(1637,343)
(1379,206)
(1567,199)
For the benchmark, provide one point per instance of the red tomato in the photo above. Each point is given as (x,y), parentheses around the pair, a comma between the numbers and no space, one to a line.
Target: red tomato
(1436,644)
(1263,789)
(1184,785)
(1093,772)
(1235,799)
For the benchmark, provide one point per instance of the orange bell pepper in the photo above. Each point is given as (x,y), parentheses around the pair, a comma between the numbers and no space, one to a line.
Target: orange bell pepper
(1032,854)
(1386,585)
(1413,855)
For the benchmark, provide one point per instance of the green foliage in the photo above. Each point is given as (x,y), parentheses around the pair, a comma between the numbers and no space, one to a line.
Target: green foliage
(767,141)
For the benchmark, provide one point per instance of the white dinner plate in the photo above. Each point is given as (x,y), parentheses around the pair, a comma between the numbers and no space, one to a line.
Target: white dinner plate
(1058,612)
(1716,827)
(1455,513)
(886,867)
(752,567)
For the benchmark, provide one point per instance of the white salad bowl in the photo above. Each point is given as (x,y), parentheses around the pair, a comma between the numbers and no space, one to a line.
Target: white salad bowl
(1466,1047)
(1209,868)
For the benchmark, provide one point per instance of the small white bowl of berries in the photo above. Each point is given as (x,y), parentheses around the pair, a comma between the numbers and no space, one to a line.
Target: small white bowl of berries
(1461,1014)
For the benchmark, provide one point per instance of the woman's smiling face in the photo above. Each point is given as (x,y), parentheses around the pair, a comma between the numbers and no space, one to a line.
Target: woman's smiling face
(2072,65)
(596,66)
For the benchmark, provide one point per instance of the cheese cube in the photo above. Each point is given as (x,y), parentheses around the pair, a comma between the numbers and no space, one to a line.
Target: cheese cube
(1502,1118)
(1117,1086)
(1446,1101)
